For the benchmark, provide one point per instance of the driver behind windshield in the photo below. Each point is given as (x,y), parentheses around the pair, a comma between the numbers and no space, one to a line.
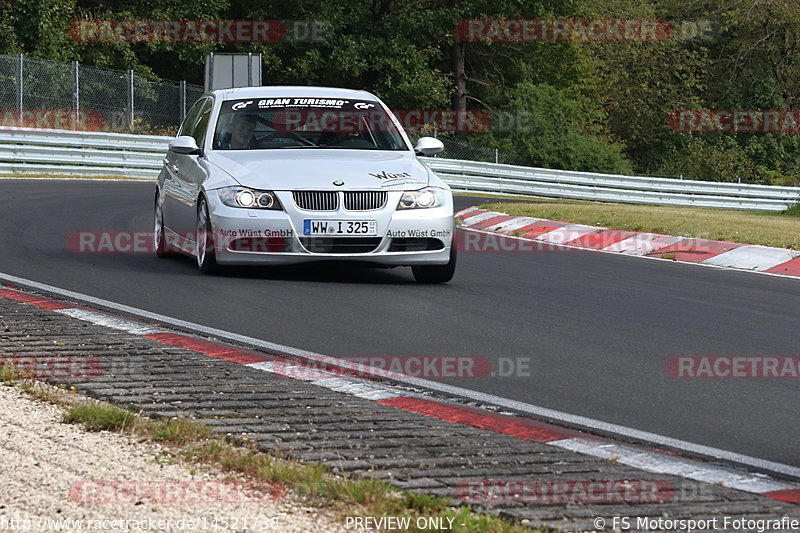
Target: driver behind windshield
(347,132)
(279,126)
(240,135)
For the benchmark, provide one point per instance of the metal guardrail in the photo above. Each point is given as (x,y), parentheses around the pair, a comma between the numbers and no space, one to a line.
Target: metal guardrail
(32,151)
(140,156)
(474,176)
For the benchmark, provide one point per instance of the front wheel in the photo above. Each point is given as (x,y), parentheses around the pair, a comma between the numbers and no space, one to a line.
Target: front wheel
(159,238)
(436,273)
(206,256)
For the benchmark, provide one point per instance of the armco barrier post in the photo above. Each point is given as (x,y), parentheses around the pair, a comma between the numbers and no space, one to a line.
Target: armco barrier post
(130,97)
(183,100)
(20,60)
(76,92)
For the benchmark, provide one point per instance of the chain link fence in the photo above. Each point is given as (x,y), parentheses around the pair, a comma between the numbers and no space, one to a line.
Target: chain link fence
(39,93)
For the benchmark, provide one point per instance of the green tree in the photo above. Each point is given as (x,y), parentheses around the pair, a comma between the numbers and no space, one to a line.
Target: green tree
(558,135)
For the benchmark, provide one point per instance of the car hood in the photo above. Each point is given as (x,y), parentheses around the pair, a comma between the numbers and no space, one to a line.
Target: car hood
(299,169)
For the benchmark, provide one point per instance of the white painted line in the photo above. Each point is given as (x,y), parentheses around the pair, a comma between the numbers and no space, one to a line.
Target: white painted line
(298,372)
(514,405)
(648,257)
(469,221)
(566,233)
(329,380)
(760,485)
(643,243)
(652,258)
(104,319)
(358,388)
(467,210)
(515,224)
(496,226)
(661,463)
(753,257)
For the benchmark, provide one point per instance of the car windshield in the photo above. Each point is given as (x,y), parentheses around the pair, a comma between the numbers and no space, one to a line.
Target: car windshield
(282,123)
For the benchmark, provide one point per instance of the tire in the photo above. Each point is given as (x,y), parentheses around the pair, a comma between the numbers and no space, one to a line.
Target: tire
(159,238)
(205,253)
(437,273)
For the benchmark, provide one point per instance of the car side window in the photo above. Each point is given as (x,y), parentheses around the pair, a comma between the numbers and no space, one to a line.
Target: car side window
(202,123)
(187,128)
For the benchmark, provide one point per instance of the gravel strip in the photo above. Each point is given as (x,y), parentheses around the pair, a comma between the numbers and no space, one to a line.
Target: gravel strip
(49,470)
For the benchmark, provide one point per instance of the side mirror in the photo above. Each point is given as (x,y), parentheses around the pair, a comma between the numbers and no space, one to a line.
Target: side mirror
(184,145)
(428,146)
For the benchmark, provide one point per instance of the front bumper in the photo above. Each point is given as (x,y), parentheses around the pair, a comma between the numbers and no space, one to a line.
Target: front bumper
(263,237)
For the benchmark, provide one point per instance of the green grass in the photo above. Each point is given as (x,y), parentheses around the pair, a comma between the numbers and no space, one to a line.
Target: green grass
(197,445)
(35,389)
(793,211)
(100,417)
(10,374)
(780,229)
(97,416)
(353,497)
(177,431)
(13,376)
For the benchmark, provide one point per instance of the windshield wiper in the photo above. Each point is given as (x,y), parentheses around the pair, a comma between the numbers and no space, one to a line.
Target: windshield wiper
(322,147)
(295,146)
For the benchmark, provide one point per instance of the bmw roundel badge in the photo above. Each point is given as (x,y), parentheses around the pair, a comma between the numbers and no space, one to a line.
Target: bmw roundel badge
(338,183)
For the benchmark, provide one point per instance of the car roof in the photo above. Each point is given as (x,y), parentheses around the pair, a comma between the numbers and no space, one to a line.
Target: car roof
(278,91)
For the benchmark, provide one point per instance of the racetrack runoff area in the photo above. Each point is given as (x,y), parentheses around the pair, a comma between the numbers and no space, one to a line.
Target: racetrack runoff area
(515,466)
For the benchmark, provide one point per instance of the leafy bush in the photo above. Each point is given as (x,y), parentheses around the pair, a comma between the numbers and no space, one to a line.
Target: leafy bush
(558,134)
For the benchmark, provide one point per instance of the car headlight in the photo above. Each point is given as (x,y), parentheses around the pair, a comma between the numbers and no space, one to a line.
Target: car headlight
(422,199)
(249,198)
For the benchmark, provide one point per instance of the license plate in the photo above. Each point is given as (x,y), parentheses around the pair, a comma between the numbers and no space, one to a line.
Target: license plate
(340,227)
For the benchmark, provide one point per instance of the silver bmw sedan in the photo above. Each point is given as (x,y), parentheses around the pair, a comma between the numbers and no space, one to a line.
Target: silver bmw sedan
(283,175)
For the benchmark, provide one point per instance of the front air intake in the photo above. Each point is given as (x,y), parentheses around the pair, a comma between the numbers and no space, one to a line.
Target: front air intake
(364,200)
(316,200)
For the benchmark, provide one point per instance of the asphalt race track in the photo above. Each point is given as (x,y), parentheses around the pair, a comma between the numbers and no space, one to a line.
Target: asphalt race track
(596,329)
